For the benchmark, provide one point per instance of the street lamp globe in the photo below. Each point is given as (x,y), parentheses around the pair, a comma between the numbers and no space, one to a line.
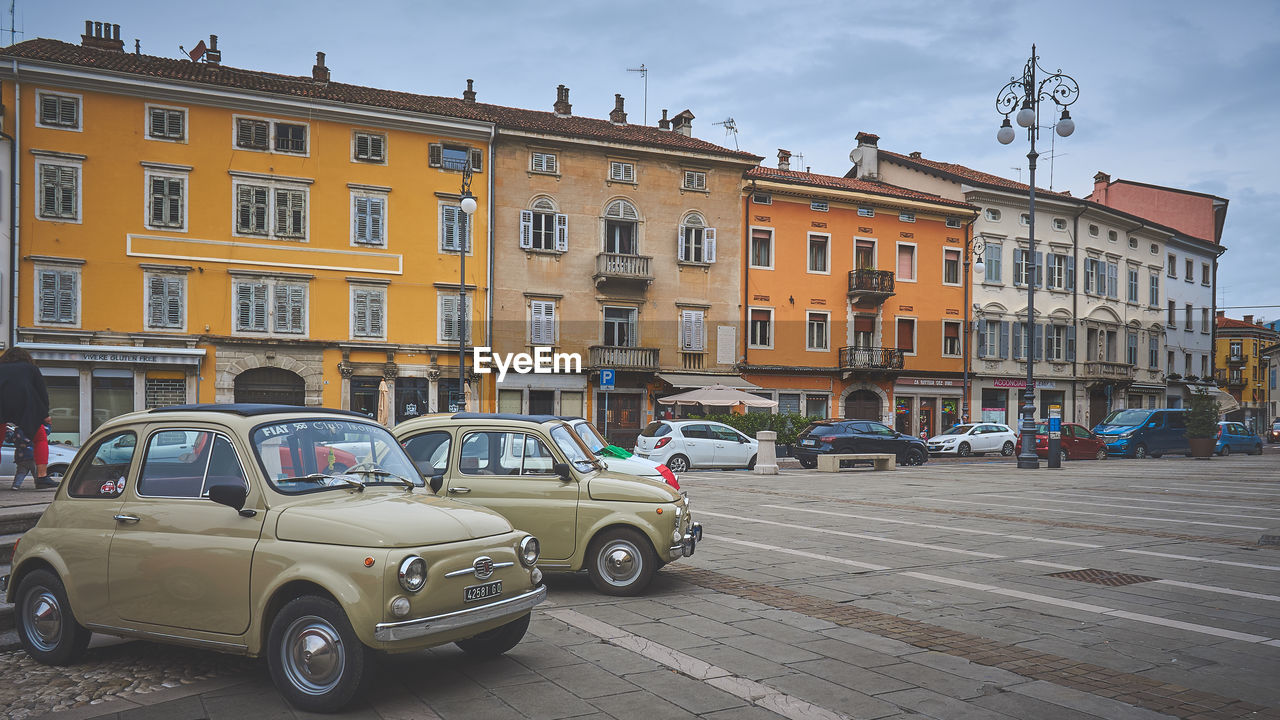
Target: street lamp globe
(1005,135)
(468,204)
(1027,116)
(979,267)
(1066,125)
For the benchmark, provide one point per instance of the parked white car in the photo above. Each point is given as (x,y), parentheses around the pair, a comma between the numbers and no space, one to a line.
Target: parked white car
(974,439)
(685,444)
(60,457)
(634,465)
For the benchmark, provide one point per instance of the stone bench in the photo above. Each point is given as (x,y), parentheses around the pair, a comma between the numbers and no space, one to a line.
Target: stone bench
(882,461)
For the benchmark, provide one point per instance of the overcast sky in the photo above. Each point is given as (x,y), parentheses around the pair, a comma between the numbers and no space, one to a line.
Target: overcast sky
(1172,92)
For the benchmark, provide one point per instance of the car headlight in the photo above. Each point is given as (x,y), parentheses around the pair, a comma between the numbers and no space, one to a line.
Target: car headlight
(413,573)
(530,549)
(1125,435)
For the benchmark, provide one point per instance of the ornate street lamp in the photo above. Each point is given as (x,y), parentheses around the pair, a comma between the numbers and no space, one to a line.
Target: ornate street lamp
(1025,95)
(468,205)
(974,247)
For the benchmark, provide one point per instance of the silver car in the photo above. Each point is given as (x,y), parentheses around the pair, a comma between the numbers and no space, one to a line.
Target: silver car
(60,457)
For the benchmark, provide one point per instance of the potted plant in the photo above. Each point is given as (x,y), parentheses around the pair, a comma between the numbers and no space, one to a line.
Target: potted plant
(1202,423)
(1174,377)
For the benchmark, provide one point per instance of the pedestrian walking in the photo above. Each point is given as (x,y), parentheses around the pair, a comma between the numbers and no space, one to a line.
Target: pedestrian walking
(24,402)
(24,456)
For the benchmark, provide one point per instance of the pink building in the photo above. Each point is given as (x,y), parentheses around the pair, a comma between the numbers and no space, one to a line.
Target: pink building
(1197,214)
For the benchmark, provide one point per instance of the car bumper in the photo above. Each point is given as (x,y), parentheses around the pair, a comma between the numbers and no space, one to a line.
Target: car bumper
(941,449)
(689,543)
(1118,447)
(409,629)
(4,586)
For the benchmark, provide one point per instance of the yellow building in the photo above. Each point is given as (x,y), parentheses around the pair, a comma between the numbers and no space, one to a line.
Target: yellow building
(188,231)
(1242,366)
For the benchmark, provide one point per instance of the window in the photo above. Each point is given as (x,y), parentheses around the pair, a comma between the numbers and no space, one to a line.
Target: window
(816,335)
(369,220)
(370,147)
(57,296)
(1204,274)
(1173,319)
(59,111)
(255,203)
(816,405)
(165,201)
(1132,285)
(291,213)
(761,199)
(184,463)
(991,256)
(454,157)
(906,262)
(1061,272)
(1091,276)
(109,461)
(1059,341)
(252,134)
(1024,219)
(993,214)
(622,171)
(1154,291)
(268,305)
(1172,267)
(368,312)
(818,254)
(762,248)
(950,338)
(251,209)
(504,453)
(620,327)
(1188,310)
(449,321)
(906,217)
(542,322)
(1153,351)
(1113,277)
(166,123)
(691,331)
(953,222)
(1023,270)
(454,228)
(1186,364)
(864,254)
(1133,242)
(1093,230)
(166,302)
(542,228)
(1131,350)
(950,266)
(1111,235)
(695,180)
(620,228)
(1190,275)
(1155,249)
(864,211)
(1205,325)
(906,337)
(542,162)
(761,327)
(1169,366)
(1059,224)
(864,330)
(819,205)
(59,191)
(696,242)
(989,338)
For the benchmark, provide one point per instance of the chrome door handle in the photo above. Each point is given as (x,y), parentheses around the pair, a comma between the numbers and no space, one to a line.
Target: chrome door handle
(460,490)
(127,518)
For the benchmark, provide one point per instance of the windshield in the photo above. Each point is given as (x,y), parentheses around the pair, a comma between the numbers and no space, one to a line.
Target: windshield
(1126,417)
(590,436)
(815,428)
(315,454)
(655,429)
(572,448)
(959,430)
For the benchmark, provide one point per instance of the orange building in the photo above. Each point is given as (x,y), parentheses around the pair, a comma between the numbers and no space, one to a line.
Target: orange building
(853,298)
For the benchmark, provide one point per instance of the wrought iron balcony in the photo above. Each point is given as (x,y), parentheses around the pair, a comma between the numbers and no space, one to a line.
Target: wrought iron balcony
(1231,380)
(870,286)
(618,266)
(870,358)
(1103,370)
(1237,359)
(624,358)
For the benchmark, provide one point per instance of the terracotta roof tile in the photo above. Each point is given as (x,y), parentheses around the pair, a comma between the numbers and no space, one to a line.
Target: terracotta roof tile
(965,173)
(1226,322)
(844,183)
(55,51)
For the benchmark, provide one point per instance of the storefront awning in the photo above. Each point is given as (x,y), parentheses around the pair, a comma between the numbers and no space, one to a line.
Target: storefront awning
(115,354)
(681,380)
(1226,402)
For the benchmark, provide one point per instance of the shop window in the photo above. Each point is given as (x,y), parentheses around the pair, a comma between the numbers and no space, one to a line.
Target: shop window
(542,402)
(364,395)
(788,403)
(412,397)
(816,405)
(571,403)
(112,395)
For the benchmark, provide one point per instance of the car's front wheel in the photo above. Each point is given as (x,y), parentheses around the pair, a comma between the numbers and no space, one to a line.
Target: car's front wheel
(1257,450)
(913,456)
(1102,454)
(621,562)
(498,640)
(751,465)
(810,464)
(47,627)
(1140,451)
(1062,455)
(1226,450)
(316,660)
(1007,449)
(964,450)
(677,464)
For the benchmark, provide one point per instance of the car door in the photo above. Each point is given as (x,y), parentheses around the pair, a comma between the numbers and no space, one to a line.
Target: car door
(510,471)
(699,444)
(7,465)
(731,447)
(178,559)
(983,438)
(1239,438)
(878,438)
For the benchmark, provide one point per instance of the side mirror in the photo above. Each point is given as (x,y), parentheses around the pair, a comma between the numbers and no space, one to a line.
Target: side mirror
(564,471)
(436,482)
(230,495)
(1153,425)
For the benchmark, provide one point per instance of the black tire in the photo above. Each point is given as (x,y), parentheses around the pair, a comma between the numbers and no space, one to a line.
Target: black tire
(308,627)
(913,456)
(1226,450)
(810,464)
(1257,450)
(678,464)
(1102,454)
(57,471)
(1007,449)
(1062,455)
(46,624)
(1140,451)
(498,640)
(751,465)
(621,562)
(964,450)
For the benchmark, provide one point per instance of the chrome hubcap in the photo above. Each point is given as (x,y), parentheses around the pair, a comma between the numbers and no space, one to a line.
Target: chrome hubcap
(44,620)
(619,563)
(313,654)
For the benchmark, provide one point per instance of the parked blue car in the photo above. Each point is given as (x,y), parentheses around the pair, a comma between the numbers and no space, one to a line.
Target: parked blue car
(1139,433)
(1235,437)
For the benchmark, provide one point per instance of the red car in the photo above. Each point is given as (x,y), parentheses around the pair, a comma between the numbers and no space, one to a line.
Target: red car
(1078,443)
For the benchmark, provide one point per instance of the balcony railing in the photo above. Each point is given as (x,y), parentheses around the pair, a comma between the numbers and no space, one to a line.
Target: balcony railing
(1103,370)
(1237,359)
(870,358)
(872,285)
(623,267)
(624,358)
(1230,380)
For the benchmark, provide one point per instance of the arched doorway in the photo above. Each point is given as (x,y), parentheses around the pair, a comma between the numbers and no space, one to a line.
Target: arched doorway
(272,385)
(862,405)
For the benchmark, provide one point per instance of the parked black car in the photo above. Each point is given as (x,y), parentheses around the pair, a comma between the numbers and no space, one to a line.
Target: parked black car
(856,436)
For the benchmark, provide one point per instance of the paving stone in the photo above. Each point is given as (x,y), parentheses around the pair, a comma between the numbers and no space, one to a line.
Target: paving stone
(692,695)
(587,681)
(543,701)
(488,707)
(778,631)
(739,662)
(870,641)
(843,673)
(831,696)
(1084,702)
(672,637)
(769,648)
(640,704)
(540,654)
(850,653)
(190,708)
(704,627)
(964,668)
(936,680)
(941,706)
(612,658)
(1023,706)
(751,712)
(263,703)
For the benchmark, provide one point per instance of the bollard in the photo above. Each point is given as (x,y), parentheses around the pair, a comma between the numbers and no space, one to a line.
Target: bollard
(766,454)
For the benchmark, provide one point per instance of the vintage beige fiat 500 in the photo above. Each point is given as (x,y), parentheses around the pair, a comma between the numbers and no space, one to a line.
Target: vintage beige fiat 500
(540,475)
(301,534)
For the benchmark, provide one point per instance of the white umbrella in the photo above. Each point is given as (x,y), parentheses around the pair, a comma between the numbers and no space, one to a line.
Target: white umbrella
(717,395)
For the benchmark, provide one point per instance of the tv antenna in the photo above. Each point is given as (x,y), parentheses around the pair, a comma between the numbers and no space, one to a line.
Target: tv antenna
(730,127)
(1019,169)
(13,26)
(644,73)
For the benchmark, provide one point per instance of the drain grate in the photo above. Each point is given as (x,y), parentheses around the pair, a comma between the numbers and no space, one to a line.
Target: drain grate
(1103,577)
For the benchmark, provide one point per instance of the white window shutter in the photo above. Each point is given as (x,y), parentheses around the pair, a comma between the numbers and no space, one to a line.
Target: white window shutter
(362,219)
(562,232)
(686,329)
(448,329)
(377,211)
(680,255)
(709,245)
(448,228)
(435,154)
(526,229)
(377,305)
(360,312)
(48,296)
(155,302)
(66,296)
(698,335)
(174,288)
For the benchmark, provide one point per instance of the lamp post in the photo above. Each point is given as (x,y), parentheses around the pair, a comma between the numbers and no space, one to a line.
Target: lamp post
(468,205)
(973,247)
(1025,95)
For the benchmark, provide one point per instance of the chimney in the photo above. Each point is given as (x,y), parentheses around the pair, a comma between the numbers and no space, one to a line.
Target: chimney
(663,122)
(319,73)
(213,56)
(469,95)
(618,116)
(101,36)
(784,159)
(1248,319)
(1100,183)
(866,157)
(1222,313)
(562,107)
(915,155)
(683,123)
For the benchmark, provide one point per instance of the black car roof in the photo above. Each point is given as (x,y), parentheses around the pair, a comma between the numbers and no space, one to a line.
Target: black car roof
(252,409)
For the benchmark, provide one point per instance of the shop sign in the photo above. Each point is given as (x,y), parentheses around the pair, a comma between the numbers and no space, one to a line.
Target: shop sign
(1008,383)
(118,357)
(930,382)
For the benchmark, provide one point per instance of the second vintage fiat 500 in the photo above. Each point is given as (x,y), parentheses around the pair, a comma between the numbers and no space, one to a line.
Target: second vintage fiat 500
(254,541)
(539,474)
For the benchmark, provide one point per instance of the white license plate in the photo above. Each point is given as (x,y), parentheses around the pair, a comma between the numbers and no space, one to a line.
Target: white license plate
(482,592)
(808,442)
(642,453)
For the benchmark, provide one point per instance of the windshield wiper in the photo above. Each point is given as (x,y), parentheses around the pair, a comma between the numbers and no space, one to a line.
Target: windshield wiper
(384,473)
(321,476)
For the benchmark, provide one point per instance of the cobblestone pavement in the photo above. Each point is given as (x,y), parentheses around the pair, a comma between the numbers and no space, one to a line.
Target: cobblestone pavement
(950,591)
